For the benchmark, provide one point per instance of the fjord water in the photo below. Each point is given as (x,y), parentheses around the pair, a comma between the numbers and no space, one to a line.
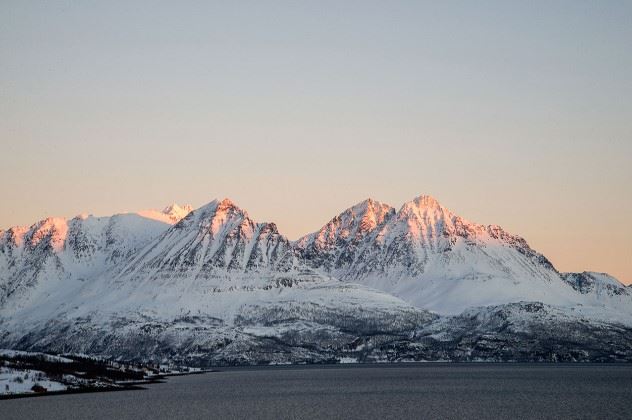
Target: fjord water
(361,391)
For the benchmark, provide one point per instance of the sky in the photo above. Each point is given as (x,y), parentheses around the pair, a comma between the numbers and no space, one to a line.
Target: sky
(509,113)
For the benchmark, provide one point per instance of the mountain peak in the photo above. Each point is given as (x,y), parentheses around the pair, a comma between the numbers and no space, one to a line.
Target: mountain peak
(176,212)
(216,237)
(218,213)
(218,206)
(423,207)
(368,206)
(176,209)
(171,214)
(353,224)
(426,201)
(370,213)
(225,204)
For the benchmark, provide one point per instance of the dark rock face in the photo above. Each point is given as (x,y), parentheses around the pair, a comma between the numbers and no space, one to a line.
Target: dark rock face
(587,282)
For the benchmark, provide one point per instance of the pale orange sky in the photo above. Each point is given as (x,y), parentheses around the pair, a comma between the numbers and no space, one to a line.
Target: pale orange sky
(517,115)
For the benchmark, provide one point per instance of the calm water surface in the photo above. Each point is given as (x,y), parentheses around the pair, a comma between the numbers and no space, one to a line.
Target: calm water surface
(401,391)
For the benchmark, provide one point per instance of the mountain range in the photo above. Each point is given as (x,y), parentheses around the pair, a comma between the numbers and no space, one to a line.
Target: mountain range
(210,286)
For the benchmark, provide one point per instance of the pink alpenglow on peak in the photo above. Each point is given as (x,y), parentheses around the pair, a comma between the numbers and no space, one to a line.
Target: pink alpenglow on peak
(226,203)
(371,214)
(353,224)
(53,230)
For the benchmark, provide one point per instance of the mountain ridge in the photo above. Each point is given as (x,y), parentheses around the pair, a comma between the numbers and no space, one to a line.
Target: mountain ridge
(423,225)
(374,283)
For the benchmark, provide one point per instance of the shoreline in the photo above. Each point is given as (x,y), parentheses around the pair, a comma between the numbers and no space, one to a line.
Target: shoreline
(123,386)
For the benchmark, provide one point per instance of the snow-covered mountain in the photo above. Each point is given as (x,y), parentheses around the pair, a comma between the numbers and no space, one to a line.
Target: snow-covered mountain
(211,285)
(215,239)
(434,259)
(80,248)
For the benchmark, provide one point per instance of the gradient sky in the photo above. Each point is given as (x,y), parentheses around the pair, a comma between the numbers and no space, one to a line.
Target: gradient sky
(512,113)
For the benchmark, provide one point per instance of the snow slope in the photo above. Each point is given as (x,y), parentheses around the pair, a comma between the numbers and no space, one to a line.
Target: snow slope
(14,381)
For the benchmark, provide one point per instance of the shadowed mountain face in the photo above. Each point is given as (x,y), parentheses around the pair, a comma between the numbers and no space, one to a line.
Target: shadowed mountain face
(211,285)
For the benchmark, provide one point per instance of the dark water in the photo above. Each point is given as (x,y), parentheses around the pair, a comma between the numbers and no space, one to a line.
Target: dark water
(401,391)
